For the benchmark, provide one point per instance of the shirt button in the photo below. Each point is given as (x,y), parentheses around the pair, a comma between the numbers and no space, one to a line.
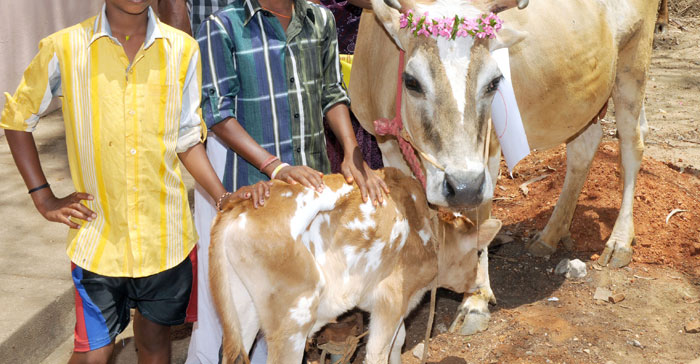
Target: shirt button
(133,151)
(296,116)
(298,150)
(291,80)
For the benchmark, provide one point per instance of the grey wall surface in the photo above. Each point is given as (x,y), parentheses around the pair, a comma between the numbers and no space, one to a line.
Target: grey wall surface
(23,23)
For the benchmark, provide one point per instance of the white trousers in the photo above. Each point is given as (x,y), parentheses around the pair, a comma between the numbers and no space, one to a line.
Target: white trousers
(207,333)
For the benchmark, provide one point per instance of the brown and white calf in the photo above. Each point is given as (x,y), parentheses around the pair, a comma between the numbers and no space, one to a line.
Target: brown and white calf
(304,258)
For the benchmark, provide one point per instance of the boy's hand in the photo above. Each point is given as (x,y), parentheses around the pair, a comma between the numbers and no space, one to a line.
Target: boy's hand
(355,169)
(257,192)
(62,209)
(308,177)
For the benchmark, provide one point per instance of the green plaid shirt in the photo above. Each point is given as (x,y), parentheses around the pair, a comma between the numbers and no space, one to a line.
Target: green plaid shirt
(277,85)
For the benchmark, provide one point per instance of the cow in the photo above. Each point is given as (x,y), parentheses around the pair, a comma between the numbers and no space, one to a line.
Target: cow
(567,58)
(306,257)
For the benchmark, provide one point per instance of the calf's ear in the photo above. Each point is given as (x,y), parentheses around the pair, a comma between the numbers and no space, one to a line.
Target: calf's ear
(487,231)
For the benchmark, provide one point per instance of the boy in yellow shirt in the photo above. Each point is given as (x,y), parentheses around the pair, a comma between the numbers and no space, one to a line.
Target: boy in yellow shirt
(130,90)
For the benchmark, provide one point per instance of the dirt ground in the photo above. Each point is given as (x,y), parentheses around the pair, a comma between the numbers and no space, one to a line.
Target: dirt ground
(544,318)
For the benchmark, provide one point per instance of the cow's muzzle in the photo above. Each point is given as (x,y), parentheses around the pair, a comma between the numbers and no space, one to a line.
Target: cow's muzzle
(464,188)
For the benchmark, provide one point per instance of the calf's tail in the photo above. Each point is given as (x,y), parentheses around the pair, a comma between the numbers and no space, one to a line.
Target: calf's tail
(220,270)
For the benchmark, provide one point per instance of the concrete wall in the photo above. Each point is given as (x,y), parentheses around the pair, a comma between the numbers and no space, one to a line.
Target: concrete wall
(23,23)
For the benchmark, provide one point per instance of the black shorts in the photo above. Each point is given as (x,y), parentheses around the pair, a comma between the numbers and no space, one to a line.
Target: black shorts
(102,304)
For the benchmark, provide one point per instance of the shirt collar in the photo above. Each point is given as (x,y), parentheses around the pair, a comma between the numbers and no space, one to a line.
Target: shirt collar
(301,10)
(101,28)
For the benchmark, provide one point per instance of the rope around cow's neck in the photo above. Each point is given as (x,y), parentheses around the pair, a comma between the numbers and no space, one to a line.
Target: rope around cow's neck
(384,126)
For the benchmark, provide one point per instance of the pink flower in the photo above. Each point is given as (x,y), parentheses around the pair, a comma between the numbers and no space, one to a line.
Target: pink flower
(471,24)
(423,31)
(403,21)
(486,25)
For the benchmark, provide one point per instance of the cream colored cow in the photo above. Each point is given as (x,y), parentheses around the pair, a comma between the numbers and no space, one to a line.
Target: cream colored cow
(304,258)
(567,59)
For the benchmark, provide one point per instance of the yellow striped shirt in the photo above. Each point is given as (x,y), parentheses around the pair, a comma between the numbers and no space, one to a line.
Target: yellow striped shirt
(124,126)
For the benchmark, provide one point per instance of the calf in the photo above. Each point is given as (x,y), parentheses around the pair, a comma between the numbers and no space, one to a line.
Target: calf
(304,258)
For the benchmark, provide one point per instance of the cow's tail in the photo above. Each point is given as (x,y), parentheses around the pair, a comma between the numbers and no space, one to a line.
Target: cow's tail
(220,271)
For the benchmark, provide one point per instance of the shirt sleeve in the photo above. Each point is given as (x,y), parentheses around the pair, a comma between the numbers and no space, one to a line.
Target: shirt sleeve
(40,83)
(333,91)
(192,129)
(219,72)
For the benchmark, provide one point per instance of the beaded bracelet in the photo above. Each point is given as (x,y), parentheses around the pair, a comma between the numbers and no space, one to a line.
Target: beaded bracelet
(221,199)
(277,169)
(267,162)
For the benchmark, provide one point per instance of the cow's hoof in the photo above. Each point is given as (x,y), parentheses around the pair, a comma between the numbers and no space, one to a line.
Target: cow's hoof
(616,257)
(473,314)
(475,321)
(539,248)
(660,28)
(568,242)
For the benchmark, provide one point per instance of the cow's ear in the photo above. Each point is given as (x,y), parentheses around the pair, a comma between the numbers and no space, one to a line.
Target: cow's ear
(497,6)
(388,13)
(487,231)
(506,38)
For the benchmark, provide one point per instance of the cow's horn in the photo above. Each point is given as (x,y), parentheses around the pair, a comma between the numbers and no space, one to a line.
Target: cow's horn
(396,5)
(498,6)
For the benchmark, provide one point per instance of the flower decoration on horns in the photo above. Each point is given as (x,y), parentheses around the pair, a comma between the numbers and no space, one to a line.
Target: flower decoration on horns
(451,28)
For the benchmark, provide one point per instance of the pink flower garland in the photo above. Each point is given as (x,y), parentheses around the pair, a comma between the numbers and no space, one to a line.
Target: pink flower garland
(451,28)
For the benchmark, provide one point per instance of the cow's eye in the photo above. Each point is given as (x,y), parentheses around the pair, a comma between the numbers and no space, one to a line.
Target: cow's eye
(493,85)
(411,83)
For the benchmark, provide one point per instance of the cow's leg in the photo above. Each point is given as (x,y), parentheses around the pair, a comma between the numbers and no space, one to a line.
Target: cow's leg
(386,319)
(473,314)
(288,330)
(399,339)
(384,325)
(628,96)
(579,155)
(662,17)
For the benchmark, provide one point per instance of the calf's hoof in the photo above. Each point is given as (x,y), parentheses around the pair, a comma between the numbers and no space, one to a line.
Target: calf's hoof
(539,248)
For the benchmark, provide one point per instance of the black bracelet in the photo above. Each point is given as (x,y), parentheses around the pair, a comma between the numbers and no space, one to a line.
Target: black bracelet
(38,188)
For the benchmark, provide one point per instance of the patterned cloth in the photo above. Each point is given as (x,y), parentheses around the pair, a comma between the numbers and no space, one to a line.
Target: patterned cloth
(347,18)
(201,9)
(124,125)
(278,86)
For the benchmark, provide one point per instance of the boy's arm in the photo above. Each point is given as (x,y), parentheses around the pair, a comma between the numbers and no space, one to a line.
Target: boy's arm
(54,209)
(174,13)
(196,162)
(335,101)
(40,83)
